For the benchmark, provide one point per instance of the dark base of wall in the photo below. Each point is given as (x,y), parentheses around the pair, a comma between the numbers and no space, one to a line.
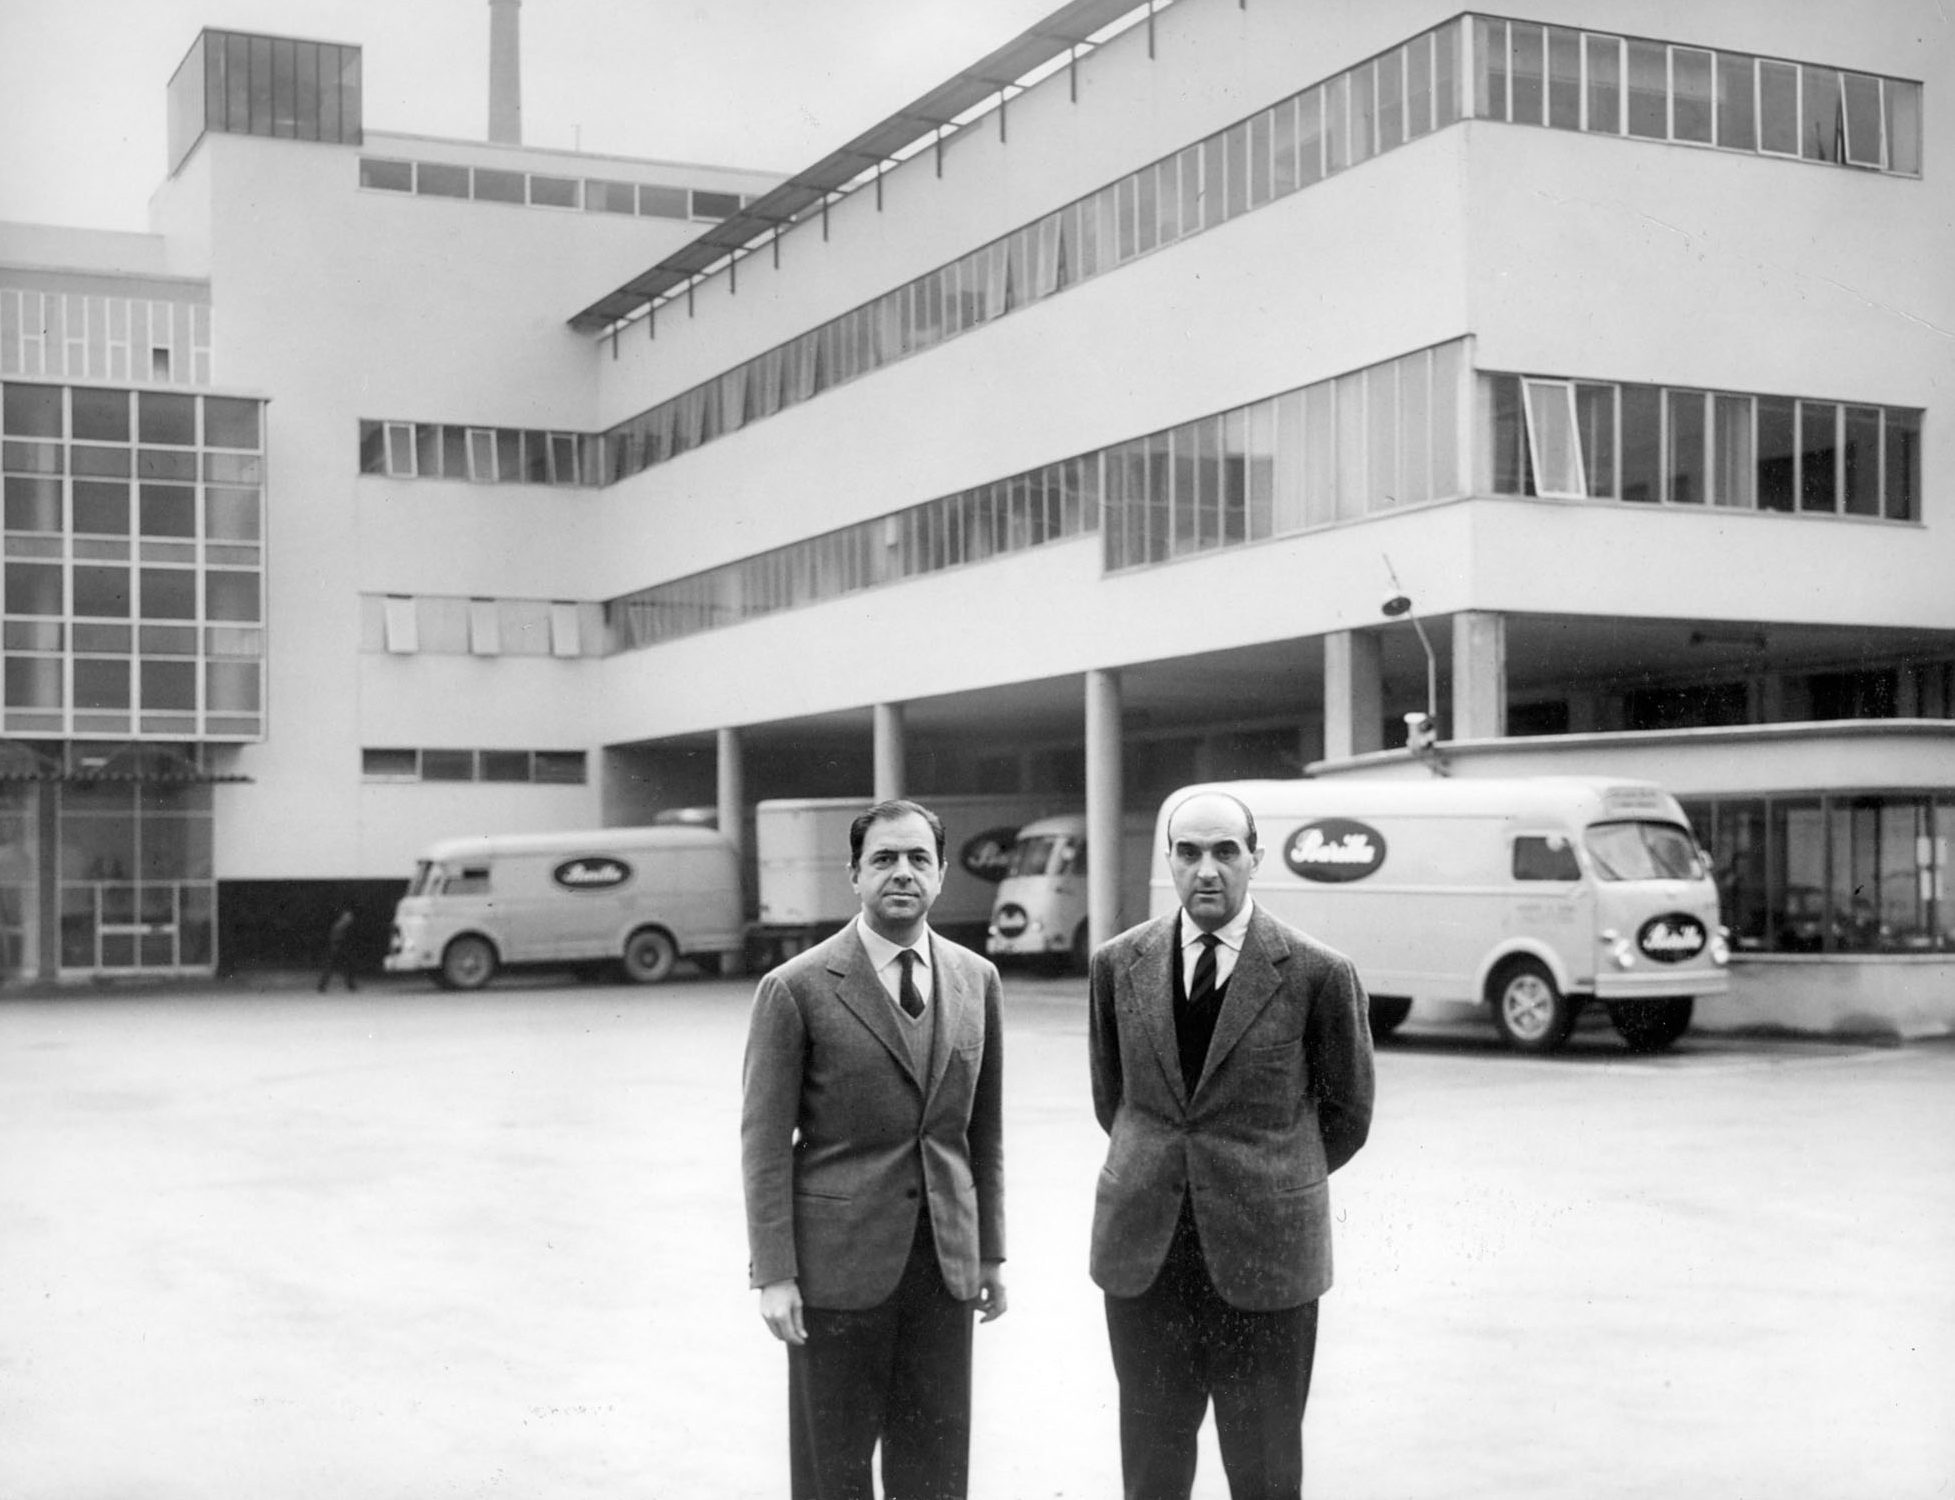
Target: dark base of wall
(281,924)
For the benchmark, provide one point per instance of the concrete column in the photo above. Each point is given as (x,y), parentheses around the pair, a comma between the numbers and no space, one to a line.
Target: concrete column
(1907,693)
(732,788)
(1354,694)
(1479,675)
(1103,792)
(889,751)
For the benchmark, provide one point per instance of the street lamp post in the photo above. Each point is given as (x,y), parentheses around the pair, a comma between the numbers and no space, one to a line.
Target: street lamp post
(1421,730)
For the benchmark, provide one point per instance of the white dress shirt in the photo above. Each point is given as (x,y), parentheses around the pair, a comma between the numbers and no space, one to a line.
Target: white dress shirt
(883,957)
(1231,932)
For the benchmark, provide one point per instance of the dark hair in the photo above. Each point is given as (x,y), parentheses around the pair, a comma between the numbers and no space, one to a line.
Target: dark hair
(884,812)
(1248,817)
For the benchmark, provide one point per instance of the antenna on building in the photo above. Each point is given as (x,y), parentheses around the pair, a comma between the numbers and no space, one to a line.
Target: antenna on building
(505,72)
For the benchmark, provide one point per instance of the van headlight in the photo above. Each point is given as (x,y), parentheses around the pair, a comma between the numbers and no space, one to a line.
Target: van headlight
(1620,948)
(1721,947)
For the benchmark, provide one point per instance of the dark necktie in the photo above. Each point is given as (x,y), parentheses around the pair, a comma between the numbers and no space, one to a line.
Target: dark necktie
(907,996)
(1201,987)
(1196,1023)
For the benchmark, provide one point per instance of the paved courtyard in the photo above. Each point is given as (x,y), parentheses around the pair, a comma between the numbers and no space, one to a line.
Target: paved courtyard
(411,1244)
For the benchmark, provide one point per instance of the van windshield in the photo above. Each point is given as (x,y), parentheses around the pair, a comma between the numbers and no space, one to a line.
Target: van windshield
(422,883)
(1032,856)
(1643,851)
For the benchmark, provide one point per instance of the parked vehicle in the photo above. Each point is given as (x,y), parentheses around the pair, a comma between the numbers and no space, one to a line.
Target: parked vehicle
(1530,896)
(634,900)
(802,847)
(1039,910)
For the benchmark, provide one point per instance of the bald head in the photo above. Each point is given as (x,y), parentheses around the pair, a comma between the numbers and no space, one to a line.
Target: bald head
(1212,854)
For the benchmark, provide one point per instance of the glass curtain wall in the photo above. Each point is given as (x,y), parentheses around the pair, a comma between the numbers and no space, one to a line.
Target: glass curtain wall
(241,84)
(132,597)
(1839,872)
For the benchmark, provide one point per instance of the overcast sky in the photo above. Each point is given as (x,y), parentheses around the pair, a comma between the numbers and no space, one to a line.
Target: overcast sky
(768,84)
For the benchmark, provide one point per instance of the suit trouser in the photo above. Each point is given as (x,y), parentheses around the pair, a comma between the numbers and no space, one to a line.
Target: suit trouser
(1179,1344)
(899,1372)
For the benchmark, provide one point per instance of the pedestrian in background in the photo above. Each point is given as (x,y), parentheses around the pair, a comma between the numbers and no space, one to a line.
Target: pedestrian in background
(872,1149)
(1231,1067)
(339,951)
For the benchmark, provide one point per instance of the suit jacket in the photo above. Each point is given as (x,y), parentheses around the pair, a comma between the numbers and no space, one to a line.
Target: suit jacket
(1284,1100)
(842,1144)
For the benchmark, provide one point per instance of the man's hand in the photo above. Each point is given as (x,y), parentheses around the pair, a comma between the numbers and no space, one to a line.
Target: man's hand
(780,1309)
(991,1298)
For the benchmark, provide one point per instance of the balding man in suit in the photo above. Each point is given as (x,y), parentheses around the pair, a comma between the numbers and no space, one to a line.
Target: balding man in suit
(873,1154)
(1231,1066)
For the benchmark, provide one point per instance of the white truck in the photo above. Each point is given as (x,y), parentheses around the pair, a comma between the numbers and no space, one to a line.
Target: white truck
(1528,896)
(630,899)
(1039,911)
(801,845)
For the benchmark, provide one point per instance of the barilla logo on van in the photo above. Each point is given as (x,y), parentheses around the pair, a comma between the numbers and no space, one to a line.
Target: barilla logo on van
(591,872)
(987,854)
(1011,920)
(1335,850)
(1672,938)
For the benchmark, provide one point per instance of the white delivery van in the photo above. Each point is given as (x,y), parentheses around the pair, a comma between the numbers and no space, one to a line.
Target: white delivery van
(1530,896)
(801,845)
(636,898)
(1039,911)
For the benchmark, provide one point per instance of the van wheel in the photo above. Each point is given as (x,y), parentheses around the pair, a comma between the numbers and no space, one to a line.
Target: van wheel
(1388,1013)
(1651,1025)
(1532,1015)
(649,956)
(467,963)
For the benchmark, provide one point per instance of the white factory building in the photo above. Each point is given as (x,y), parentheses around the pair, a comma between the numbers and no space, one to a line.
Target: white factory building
(1061,433)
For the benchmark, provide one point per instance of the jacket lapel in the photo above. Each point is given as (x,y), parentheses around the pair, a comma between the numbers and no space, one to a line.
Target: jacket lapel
(1150,997)
(858,988)
(1255,979)
(953,1001)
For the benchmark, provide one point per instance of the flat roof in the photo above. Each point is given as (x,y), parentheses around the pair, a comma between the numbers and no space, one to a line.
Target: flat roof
(1071,26)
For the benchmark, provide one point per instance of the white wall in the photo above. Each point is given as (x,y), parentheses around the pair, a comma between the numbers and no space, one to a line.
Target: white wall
(340,303)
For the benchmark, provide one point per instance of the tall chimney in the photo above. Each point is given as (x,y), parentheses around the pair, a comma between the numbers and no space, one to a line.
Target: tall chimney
(505,72)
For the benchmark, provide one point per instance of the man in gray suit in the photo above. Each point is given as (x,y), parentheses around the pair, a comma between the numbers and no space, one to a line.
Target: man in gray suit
(872,1147)
(1231,1061)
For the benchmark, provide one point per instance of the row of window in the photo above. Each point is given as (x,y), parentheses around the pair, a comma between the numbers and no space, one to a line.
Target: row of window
(152,685)
(434,179)
(544,767)
(1590,440)
(1576,80)
(402,625)
(1405,93)
(1047,504)
(1836,873)
(230,517)
(85,415)
(49,590)
(1343,448)
(89,336)
(480,455)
